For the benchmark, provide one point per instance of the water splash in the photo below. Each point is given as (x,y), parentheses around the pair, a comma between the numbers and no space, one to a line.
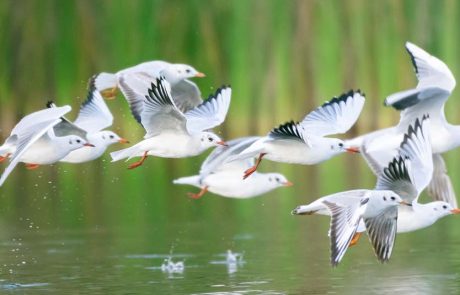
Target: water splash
(170,266)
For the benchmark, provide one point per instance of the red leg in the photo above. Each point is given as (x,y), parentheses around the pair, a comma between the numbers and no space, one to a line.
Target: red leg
(138,163)
(253,169)
(355,239)
(199,194)
(109,93)
(32,166)
(4,157)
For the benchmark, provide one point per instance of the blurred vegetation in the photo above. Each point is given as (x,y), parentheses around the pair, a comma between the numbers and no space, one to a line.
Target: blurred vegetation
(282,58)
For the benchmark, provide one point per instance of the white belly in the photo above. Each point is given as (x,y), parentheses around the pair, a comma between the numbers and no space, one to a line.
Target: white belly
(294,152)
(84,154)
(232,185)
(170,146)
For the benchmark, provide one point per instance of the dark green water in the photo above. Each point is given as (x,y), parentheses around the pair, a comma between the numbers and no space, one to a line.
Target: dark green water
(98,228)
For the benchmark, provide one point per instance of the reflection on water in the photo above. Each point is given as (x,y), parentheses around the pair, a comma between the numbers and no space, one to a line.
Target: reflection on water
(276,261)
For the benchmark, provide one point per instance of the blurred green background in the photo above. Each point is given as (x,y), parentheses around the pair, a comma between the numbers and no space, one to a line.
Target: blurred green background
(282,58)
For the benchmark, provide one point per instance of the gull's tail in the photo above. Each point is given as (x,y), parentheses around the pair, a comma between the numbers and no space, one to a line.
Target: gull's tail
(105,81)
(127,153)
(191,180)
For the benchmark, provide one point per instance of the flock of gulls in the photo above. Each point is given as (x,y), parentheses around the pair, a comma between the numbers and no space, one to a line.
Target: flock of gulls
(178,123)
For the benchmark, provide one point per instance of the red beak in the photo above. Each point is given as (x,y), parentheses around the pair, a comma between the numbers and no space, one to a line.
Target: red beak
(200,75)
(222,143)
(353,150)
(123,140)
(288,183)
(89,144)
(455,211)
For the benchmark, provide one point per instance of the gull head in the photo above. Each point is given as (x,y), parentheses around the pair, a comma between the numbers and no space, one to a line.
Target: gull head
(439,209)
(277,180)
(175,73)
(338,146)
(382,199)
(73,142)
(110,137)
(209,139)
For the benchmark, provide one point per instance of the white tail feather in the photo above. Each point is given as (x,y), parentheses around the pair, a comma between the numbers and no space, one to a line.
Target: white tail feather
(191,180)
(127,154)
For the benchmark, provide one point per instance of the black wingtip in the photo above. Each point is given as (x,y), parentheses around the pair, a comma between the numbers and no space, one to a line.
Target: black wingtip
(217,92)
(92,83)
(412,57)
(343,97)
(50,104)
(413,129)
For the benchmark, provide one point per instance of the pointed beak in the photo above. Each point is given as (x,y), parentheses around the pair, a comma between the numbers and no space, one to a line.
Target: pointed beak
(89,144)
(222,143)
(200,75)
(123,140)
(455,211)
(352,149)
(288,183)
(405,203)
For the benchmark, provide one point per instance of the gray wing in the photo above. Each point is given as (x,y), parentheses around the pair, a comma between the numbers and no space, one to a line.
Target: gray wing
(335,116)
(344,223)
(217,159)
(440,187)
(28,135)
(94,114)
(410,173)
(134,86)
(435,81)
(382,232)
(66,127)
(186,95)
(211,112)
(159,112)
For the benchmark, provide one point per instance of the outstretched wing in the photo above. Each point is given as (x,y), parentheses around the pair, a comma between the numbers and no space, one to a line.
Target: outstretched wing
(435,84)
(217,159)
(186,95)
(410,172)
(66,127)
(440,187)
(211,112)
(94,114)
(28,135)
(134,86)
(159,112)
(335,116)
(344,223)
(381,230)
(289,131)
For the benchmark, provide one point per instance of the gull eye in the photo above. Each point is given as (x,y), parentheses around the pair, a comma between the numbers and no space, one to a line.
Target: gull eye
(210,139)
(187,71)
(111,136)
(393,198)
(78,140)
(341,145)
(277,179)
(444,207)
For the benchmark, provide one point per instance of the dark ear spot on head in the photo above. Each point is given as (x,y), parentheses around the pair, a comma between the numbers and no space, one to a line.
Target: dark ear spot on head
(270,179)
(103,136)
(70,141)
(384,198)
(435,209)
